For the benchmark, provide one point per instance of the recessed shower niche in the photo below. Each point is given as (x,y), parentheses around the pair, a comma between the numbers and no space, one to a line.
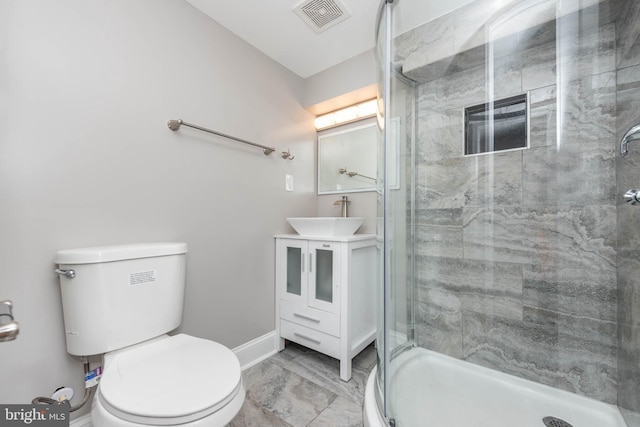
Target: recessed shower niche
(496,126)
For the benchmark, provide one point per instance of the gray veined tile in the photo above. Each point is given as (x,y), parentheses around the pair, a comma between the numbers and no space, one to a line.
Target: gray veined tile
(439,217)
(452,91)
(341,412)
(629,368)
(440,136)
(537,35)
(539,66)
(573,354)
(542,116)
(324,372)
(586,353)
(286,394)
(439,329)
(494,78)
(628,99)
(579,237)
(629,288)
(494,179)
(444,241)
(441,185)
(628,30)
(455,285)
(515,347)
(426,43)
(571,236)
(588,111)
(585,50)
(253,414)
(505,76)
(495,234)
(579,292)
(574,175)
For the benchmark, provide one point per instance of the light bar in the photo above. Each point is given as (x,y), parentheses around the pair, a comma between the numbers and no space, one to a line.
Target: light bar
(346,115)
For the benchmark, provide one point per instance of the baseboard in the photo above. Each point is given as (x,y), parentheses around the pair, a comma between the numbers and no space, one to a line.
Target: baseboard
(256,350)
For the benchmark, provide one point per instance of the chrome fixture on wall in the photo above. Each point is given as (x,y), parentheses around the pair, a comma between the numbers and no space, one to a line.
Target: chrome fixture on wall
(8,329)
(174,125)
(632,197)
(286,155)
(632,134)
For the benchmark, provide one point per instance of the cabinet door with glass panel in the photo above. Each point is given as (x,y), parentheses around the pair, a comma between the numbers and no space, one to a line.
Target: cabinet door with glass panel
(311,273)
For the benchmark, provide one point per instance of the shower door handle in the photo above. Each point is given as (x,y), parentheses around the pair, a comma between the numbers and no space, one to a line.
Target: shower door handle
(632,197)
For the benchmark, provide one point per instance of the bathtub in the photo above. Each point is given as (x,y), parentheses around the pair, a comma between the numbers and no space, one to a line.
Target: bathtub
(433,390)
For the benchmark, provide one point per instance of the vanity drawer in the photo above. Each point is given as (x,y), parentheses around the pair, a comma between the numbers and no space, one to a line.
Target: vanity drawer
(310,317)
(311,338)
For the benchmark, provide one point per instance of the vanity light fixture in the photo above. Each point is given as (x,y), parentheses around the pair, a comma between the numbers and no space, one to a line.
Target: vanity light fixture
(348,114)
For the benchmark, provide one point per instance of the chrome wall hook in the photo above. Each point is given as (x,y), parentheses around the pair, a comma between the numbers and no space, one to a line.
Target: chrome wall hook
(287,155)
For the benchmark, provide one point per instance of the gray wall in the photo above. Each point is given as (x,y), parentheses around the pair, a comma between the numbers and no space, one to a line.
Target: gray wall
(516,251)
(347,83)
(87,159)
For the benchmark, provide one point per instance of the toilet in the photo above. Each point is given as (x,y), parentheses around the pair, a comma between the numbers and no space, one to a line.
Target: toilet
(121,301)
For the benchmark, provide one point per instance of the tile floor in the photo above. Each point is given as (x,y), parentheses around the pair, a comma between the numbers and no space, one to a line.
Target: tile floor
(299,387)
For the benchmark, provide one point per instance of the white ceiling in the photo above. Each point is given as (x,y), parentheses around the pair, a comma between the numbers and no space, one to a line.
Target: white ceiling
(274,28)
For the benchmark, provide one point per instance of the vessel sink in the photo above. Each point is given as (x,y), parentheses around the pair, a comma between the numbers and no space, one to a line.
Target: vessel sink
(326,226)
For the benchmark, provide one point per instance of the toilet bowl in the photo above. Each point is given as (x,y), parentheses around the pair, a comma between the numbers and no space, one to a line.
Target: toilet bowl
(121,301)
(179,380)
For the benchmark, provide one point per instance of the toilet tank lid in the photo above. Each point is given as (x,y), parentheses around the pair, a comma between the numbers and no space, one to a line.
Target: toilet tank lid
(98,254)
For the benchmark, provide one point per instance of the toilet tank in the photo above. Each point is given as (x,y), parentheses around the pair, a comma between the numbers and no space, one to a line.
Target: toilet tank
(121,295)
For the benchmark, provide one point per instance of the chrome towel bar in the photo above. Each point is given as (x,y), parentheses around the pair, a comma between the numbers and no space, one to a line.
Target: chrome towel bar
(175,125)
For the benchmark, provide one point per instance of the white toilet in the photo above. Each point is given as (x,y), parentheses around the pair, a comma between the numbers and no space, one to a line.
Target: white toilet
(121,301)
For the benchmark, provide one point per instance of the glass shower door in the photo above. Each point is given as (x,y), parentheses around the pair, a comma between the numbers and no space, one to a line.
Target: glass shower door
(507,241)
(395,187)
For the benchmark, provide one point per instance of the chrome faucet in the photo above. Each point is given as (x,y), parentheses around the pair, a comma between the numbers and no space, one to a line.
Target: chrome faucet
(8,330)
(344,202)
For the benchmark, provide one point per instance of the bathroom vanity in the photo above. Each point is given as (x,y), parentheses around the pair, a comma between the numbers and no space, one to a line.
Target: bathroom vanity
(325,294)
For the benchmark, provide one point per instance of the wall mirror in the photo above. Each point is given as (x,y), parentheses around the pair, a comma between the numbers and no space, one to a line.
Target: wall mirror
(347,157)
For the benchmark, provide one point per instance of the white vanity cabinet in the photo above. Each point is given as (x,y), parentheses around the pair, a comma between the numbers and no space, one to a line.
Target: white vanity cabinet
(325,294)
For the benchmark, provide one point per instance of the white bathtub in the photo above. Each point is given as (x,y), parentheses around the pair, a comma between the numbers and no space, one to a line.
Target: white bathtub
(432,390)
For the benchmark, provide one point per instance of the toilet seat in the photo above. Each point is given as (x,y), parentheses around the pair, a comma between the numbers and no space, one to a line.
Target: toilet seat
(169,380)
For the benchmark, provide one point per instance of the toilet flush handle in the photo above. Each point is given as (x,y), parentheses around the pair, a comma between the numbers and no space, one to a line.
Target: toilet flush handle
(67,273)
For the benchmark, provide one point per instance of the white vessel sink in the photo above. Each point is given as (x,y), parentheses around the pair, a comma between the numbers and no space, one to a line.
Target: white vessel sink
(326,226)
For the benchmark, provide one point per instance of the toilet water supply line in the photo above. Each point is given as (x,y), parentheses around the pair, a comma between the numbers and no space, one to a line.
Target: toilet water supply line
(91,381)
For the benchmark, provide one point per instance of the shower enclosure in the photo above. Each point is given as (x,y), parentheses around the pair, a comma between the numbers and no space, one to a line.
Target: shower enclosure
(507,243)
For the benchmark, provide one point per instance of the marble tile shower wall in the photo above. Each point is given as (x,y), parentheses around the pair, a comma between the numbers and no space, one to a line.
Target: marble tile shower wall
(628,176)
(516,251)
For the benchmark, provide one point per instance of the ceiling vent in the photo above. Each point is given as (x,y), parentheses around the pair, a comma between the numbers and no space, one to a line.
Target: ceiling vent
(321,14)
